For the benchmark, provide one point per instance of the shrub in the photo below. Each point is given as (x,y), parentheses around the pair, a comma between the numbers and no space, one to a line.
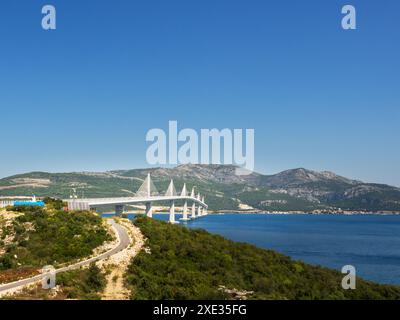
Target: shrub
(193,264)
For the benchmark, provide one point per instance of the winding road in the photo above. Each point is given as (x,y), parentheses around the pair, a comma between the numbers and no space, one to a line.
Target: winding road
(123,243)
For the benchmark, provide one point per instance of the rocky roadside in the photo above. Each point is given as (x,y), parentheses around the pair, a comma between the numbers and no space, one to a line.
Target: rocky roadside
(116,266)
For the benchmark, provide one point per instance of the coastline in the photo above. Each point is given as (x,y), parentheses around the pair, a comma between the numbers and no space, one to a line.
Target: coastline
(342,213)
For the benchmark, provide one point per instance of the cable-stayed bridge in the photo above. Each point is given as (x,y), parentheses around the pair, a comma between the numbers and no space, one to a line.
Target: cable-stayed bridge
(147,194)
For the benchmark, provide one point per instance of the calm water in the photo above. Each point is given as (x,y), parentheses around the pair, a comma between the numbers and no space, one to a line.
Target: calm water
(371,243)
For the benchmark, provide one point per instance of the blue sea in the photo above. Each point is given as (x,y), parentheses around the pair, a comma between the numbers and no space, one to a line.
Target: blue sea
(371,243)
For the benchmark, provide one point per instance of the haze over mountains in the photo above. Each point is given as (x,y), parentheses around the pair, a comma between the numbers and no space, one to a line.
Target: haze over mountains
(290,190)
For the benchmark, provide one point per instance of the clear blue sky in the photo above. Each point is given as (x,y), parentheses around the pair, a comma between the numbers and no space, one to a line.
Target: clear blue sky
(83,97)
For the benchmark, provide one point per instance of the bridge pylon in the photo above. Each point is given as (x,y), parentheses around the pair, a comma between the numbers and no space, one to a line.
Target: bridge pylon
(204,210)
(172,213)
(192,193)
(147,189)
(171,191)
(184,191)
(185,212)
(149,210)
(193,216)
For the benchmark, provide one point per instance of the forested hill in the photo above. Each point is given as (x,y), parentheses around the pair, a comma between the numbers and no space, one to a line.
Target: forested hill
(182,263)
(291,190)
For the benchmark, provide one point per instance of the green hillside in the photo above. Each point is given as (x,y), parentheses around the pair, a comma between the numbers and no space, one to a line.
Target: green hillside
(39,237)
(181,263)
(290,190)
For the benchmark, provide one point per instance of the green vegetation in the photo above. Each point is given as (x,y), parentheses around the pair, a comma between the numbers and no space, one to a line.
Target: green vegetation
(42,236)
(55,204)
(85,284)
(193,264)
(81,284)
(60,185)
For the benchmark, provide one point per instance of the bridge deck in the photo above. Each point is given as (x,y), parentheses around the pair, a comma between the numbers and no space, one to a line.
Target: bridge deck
(92,202)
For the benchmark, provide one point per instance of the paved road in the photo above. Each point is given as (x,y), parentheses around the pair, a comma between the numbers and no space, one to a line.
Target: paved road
(124,242)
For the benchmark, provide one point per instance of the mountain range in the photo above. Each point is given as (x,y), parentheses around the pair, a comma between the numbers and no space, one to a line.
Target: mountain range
(291,190)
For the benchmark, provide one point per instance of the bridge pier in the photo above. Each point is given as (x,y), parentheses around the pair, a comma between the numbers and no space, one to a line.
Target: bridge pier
(119,210)
(185,212)
(199,211)
(172,213)
(149,210)
(193,211)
